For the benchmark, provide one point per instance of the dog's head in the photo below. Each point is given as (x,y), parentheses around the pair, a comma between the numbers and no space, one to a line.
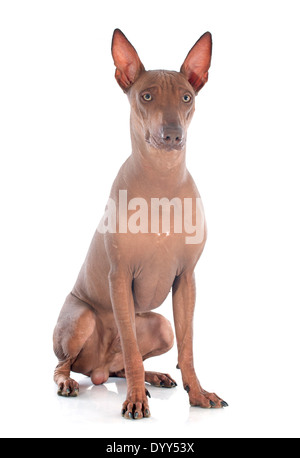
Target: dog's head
(162,102)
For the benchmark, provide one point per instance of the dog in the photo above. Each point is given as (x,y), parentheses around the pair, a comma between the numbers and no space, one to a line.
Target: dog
(143,246)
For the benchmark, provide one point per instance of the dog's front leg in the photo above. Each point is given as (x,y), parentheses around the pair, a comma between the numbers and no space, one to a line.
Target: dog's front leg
(136,404)
(184,295)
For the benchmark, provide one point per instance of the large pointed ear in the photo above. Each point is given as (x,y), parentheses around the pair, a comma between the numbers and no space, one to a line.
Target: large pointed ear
(197,62)
(126,59)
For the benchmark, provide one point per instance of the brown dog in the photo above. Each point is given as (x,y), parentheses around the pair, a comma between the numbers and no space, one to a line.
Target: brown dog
(106,327)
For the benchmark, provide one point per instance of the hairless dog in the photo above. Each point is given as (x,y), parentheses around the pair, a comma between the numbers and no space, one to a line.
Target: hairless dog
(106,326)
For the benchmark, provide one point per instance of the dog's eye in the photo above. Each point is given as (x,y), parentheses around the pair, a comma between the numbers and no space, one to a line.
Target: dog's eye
(186,98)
(147,97)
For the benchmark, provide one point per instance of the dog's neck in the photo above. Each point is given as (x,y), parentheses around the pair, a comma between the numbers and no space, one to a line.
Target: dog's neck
(156,168)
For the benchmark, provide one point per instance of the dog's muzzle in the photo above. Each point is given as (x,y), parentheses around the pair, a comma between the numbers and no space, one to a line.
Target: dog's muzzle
(170,138)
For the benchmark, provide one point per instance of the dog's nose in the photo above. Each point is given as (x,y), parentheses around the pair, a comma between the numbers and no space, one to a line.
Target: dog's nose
(172,135)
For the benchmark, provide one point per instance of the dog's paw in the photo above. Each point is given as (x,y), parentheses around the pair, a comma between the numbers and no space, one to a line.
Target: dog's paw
(202,398)
(159,379)
(68,388)
(136,405)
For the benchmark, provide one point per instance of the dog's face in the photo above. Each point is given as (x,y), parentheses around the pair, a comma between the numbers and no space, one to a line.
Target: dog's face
(162,102)
(162,105)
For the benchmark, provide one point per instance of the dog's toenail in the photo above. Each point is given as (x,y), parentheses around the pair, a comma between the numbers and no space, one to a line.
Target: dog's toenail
(187,388)
(123,411)
(136,414)
(212,403)
(162,384)
(224,404)
(130,415)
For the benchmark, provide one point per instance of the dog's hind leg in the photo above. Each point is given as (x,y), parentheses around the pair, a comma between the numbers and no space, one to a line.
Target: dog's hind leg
(155,337)
(75,325)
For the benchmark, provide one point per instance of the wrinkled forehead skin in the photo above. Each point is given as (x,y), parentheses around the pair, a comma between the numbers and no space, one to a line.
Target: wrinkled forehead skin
(165,83)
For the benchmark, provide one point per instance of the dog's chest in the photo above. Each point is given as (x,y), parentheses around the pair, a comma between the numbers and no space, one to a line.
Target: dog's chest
(156,270)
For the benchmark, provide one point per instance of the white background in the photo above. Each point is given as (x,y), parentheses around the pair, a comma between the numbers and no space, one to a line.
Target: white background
(64,134)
